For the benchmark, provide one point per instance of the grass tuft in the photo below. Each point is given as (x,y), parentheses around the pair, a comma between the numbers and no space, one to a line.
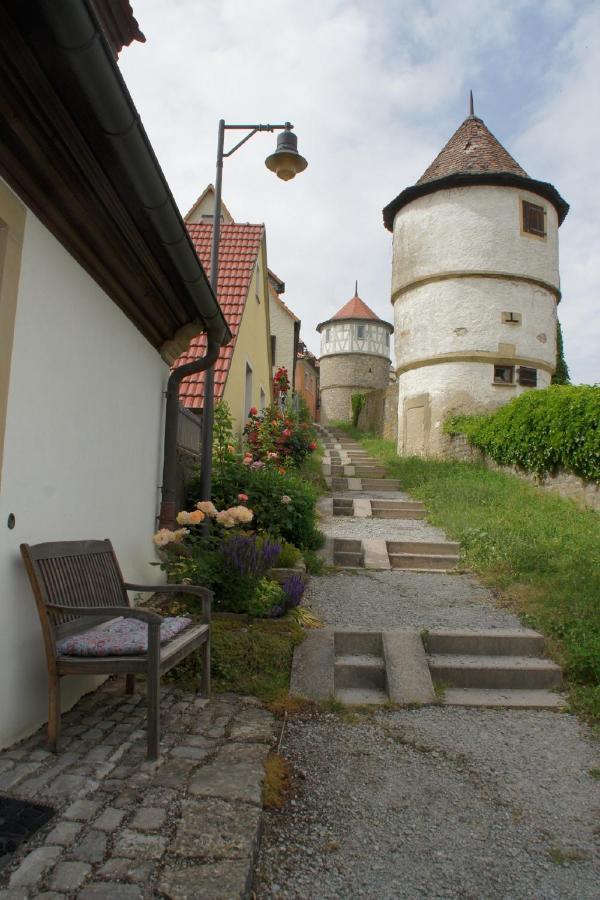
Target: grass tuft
(277,783)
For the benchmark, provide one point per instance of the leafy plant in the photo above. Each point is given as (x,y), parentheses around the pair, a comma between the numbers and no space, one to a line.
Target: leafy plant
(268,596)
(288,556)
(541,430)
(358,401)
(561,373)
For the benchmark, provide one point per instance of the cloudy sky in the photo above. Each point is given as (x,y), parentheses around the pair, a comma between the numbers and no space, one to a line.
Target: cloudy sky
(374,88)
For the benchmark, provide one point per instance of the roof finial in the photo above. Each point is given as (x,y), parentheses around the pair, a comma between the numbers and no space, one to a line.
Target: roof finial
(356,288)
(471,109)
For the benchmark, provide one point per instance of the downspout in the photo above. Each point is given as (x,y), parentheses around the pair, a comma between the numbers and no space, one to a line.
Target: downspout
(168,505)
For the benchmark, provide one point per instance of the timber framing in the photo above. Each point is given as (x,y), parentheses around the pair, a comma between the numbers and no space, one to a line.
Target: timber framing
(56,155)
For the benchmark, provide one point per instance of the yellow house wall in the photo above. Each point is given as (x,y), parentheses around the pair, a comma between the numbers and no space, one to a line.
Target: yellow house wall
(253,346)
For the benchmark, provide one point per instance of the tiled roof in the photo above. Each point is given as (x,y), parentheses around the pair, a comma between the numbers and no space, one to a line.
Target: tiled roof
(238,251)
(356,309)
(472,150)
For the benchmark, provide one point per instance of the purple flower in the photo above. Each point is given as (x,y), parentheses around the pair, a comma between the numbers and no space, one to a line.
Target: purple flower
(293,590)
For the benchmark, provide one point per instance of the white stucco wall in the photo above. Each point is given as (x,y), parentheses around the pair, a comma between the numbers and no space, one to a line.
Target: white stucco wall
(82,456)
(475,228)
(464,316)
(457,387)
(282,326)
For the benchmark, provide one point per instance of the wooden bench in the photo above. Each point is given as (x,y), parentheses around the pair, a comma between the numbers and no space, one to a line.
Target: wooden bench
(78,585)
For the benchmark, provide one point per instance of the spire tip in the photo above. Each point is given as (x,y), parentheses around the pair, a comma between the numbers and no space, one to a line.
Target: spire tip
(471,105)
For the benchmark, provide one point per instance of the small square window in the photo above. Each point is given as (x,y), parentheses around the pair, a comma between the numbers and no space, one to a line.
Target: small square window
(327,335)
(504,374)
(360,332)
(527,376)
(534,219)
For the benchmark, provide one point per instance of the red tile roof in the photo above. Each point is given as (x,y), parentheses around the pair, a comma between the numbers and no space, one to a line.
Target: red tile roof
(238,251)
(356,309)
(472,150)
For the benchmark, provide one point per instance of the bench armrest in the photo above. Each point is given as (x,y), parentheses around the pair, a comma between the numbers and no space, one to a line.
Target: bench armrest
(127,612)
(204,593)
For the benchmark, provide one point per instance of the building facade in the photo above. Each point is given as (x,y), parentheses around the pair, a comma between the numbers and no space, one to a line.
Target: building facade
(307,380)
(475,285)
(285,330)
(355,358)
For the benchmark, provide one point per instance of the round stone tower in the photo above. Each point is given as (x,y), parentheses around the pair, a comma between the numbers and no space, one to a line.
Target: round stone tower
(355,357)
(475,285)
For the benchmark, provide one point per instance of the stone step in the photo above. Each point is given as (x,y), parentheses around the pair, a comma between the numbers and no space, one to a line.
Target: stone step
(398,504)
(398,514)
(348,560)
(492,672)
(364,671)
(381,484)
(503,699)
(361,697)
(358,642)
(495,642)
(422,562)
(435,548)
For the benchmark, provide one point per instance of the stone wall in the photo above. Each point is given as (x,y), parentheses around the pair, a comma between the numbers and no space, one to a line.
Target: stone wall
(562,482)
(344,374)
(380,413)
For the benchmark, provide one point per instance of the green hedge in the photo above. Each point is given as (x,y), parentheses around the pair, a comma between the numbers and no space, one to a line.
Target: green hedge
(541,430)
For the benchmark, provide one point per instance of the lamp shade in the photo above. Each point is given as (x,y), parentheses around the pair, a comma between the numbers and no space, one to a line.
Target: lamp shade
(286,162)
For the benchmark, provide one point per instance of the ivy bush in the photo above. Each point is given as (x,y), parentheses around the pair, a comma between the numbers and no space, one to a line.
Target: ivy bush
(541,430)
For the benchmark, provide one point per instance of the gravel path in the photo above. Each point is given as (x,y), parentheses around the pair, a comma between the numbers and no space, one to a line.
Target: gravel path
(436,803)
(386,529)
(405,599)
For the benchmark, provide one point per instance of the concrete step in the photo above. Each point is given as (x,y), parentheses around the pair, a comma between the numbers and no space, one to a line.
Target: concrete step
(361,696)
(398,513)
(348,553)
(493,672)
(435,548)
(381,484)
(495,642)
(422,562)
(364,671)
(358,642)
(398,504)
(503,699)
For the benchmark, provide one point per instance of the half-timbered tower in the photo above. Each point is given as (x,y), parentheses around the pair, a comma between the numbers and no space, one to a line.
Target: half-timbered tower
(355,357)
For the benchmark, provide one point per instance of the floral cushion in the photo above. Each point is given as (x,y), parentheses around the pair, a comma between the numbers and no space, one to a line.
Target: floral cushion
(123,637)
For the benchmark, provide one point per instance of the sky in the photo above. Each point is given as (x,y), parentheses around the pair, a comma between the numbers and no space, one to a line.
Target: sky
(374,89)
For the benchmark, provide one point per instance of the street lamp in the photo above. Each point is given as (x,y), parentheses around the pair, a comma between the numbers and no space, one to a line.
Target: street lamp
(286,162)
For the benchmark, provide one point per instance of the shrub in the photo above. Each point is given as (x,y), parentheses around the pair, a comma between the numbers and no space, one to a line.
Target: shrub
(358,402)
(295,519)
(541,430)
(288,557)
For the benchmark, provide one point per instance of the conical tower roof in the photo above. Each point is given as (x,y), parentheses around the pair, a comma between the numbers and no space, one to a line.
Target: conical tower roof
(355,308)
(472,149)
(473,156)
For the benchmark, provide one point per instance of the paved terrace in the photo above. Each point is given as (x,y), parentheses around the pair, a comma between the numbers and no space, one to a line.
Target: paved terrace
(125,829)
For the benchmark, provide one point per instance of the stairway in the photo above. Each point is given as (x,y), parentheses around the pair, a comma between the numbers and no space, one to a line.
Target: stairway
(423,556)
(359,668)
(498,668)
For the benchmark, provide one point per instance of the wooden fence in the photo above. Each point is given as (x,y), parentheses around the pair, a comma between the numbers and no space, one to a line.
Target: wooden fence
(189,432)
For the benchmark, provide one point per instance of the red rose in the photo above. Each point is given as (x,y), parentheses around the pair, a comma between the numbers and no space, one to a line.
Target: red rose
(312,446)
(286,433)
(253,411)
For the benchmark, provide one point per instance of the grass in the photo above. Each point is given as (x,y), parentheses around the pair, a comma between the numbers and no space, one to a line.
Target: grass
(248,656)
(540,553)
(277,783)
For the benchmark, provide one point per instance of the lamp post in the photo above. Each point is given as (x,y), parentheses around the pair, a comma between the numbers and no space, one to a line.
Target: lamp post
(286,162)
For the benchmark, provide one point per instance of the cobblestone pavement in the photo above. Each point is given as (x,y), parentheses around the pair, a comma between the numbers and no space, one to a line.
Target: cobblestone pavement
(185,827)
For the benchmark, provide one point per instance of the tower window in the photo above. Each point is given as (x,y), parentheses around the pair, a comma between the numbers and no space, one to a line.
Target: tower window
(387,339)
(527,376)
(327,335)
(534,218)
(360,332)
(504,374)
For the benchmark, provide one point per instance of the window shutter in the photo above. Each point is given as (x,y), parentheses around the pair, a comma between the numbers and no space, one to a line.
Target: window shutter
(527,376)
(533,218)
(273,346)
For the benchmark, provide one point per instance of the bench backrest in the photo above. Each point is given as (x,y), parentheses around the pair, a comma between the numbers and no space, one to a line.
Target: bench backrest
(73,573)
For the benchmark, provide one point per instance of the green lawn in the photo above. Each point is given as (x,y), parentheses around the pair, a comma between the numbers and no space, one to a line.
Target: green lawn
(540,552)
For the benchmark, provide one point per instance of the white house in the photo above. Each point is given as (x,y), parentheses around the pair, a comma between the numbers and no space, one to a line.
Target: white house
(285,329)
(475,285)
(100,289)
